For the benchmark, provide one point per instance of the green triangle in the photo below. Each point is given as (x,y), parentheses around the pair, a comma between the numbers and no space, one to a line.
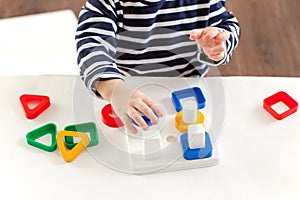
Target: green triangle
(33,135)
(89,127)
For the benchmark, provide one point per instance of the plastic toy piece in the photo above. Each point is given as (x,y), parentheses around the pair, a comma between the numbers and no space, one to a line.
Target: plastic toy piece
(182,126)
(185,93)
(109,118)
(42,131)
(89,127)
(196,136)
(43,104)
(189,112)
(152,149)
(280,97)
(70,155)
(147,120)
(193,154)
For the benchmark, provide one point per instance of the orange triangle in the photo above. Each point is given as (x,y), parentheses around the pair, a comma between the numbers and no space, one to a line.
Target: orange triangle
(43,102)
(70,155)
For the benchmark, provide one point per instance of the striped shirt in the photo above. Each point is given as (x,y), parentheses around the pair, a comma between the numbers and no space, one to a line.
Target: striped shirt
(115,38)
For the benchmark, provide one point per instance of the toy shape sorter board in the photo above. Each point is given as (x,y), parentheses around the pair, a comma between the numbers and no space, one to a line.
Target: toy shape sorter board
(160,148)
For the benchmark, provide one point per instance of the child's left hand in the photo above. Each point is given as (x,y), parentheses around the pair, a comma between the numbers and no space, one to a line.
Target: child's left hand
(212,41)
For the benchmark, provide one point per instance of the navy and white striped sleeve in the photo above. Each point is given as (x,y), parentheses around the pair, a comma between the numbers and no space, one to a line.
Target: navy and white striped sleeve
(96,42)
(219,17)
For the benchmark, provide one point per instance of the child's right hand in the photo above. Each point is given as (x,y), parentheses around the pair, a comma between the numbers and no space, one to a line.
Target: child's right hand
(129,103)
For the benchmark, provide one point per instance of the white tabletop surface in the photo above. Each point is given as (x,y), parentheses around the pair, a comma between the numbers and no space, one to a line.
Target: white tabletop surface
(258,154)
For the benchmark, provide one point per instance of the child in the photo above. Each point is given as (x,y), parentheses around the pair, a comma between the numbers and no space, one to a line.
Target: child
(149,38)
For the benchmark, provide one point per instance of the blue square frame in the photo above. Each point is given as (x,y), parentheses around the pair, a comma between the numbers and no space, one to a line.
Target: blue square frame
(185,93)
(193,154)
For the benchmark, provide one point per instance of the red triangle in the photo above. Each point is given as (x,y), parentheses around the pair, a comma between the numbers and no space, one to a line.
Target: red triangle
(43,104)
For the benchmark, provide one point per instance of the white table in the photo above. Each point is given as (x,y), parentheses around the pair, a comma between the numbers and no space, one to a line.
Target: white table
(258,154)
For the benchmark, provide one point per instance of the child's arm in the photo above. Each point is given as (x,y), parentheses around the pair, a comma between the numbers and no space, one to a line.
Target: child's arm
(96,49)
(128,102)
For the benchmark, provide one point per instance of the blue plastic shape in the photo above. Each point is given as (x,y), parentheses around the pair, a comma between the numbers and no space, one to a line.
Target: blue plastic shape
(185,93)
(193,154)
(147,120)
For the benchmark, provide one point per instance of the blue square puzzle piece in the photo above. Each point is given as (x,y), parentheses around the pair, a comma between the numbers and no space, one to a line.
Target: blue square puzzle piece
(192,154)
(185,93)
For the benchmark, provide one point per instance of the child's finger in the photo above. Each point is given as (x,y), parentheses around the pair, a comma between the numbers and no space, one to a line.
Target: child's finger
(147,111)
(153,107)
(157,110)
(221,37)
(134,114)
(217,57)
(196,34)
(209,34)
(216,48)
(126,120)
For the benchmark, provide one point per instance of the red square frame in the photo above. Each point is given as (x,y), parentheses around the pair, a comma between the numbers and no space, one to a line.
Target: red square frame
(284,98)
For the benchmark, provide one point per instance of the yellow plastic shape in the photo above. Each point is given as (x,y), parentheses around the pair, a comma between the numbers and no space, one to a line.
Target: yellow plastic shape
(70,155)
(182,127)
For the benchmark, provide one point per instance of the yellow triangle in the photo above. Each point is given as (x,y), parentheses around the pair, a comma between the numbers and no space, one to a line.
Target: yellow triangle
(70,155)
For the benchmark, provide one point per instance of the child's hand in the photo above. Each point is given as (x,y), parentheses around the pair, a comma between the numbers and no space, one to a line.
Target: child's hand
(129,103)
(212,42)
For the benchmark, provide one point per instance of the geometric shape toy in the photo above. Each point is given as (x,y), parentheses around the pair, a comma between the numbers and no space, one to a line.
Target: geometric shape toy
(199,153)
(185,93)
(43,102)
(196,136)
(70,155)
(109,118)
(280,97)
(181,126)
(41,131)
(89,127)
(189,112)
(152,149)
